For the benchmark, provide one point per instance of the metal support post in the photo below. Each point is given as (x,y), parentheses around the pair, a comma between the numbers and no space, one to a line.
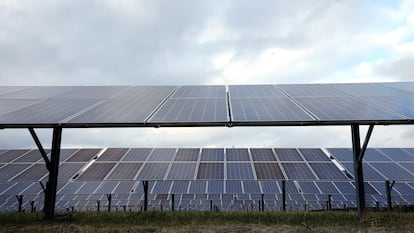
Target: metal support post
(98,202)
(262,202)
(32,210)
(329,202)
(20,200)
(284,195)
(358,155)
(172,202)
(388,187)
(145,184)
(51,186)
(211,205)
(109,197)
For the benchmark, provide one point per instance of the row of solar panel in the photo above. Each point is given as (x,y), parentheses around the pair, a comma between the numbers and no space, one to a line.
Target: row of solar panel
(206,104)
(204,187)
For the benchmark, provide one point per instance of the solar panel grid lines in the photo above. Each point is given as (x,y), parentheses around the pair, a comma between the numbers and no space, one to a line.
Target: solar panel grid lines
(34,173)
(408,87)
(396,154)
(124,171)
(210,91)
(12,155)
(392,171)
(309,90)
(84,155)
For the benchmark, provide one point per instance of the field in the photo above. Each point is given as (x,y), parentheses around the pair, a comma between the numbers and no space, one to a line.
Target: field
(209,222)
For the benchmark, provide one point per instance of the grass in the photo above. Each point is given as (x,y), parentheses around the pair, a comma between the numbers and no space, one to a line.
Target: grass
(155,221)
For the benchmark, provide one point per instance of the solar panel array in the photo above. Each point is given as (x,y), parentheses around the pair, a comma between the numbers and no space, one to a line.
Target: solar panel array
(232,178)
(296,104)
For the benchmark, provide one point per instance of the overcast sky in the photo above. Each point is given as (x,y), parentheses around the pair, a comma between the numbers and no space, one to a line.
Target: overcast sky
(206,42)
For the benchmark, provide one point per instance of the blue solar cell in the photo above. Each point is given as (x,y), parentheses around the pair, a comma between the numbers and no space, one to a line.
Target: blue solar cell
(327,187)
(407,87)
(402,105)
(215,187)
(17,188)
(187,154)
(374,155)
(161,187)
(153,171)
(298,171)
(255,91)
(236,154)
(233,187)
(270,187)
(198,186)
(11,170)
(106,187)
(327,171)
(180,187)
(403,188)
(88,188)
(162,154)
(70,188)
(308,90)
(210,171)
(239,171)
(397,154)
(288,155)
(8,106)
(251,187)
(344,109)
(345,187)
(145,92)
(137,154)
(309,187)
(266,109)
(262,154)
(392,171)
(40,92)
(192,110)
(314,155)
(11,155)
(266,171)
(182,171)
(341,154)
(367,89)
(408,166)
(212,154)
(290,187)
(369,172)
(200,92)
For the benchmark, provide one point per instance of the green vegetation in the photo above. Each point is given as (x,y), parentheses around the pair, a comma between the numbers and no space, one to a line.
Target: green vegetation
(154,221)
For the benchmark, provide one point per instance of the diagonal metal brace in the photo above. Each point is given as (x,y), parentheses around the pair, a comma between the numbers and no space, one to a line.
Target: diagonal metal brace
(43,186)
(365,145)
(40,147)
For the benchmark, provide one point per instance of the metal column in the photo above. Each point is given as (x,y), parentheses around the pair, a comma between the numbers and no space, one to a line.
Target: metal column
(172,202)
(284,195)
(145,184)
(51,186)
(358,155)
(388,188)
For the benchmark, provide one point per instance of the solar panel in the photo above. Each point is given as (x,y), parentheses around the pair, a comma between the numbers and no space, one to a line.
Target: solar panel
(106,187)
(298,171)
(180,187)
(345,187)
(191,110)
(182,171)
(344,108)
(373,155)
(366,89)
(162,154)
(88,188)
(145,92)
(402,105)
(408,87)
(262,154)
(32,156)
(408,166)
(200,92)
(112,154)
(124,171)
(327,171)
(233,154)
(70,188)
(215,187)
(187,154)
(210,171)
(11,170)
(33,189)
(266,171)
(162,187)
(125,187)
(397,154)
(11,155)
(39,92)
(288,155)
(34,173)
(137,154)
(266,109)
(239,171)
(309,187)
(369,172)
(93,92)
(17,188)
(10,89)
(327,187)
(83,155)
(392,171)
(198,186)
(46,112)
(341,154)
(8,106)
(251,187)
(270,187)
(153,171)
(311,90)
(254,91)
(233,187)
(212,154)
(96,172)
(314,155)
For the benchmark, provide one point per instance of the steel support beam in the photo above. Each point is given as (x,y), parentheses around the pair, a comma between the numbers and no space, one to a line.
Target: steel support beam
(51,186)
(145,184)
(109,197)
(172,202)
(388,187)
(262,202)
(358,155)
(284,195)
(20,202)
(40,147)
